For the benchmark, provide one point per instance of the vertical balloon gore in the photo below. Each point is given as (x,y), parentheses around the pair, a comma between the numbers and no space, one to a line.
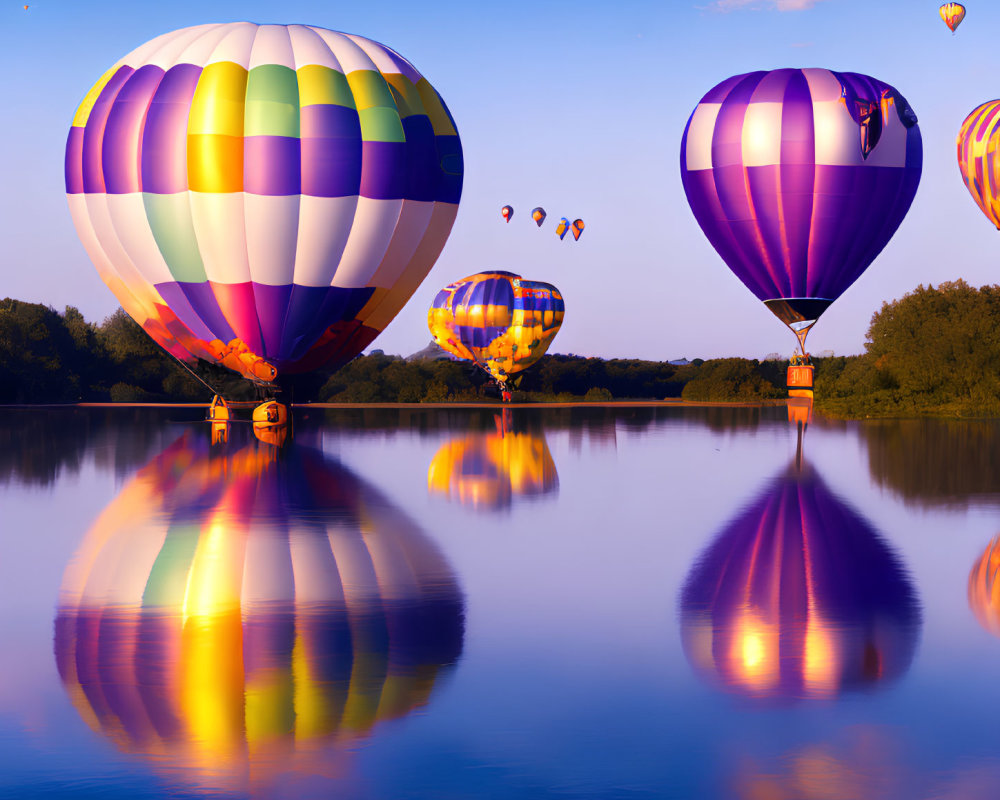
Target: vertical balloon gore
(799,178)
(562,228)
(978,142)
(951,13)
(263,197)
(538,215)
(577,228)
(507,212)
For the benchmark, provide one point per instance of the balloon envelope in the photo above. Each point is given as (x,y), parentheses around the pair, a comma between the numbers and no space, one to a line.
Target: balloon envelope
(498,320)
(507,212)
(978,143)
(562,228)
(577,228)
(799,178)
(538,215)
(799,597)
(236,616)
(952,14)
(265,197)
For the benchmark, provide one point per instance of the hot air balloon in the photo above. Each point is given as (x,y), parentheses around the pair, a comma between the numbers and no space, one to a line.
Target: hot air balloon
(240,617)
(562,228)
(490,470)
(498,320)
(577,228)
(538,215)
(978,140)
(507,212)
(798,597)
(952,14)
(265,197)
(799,178)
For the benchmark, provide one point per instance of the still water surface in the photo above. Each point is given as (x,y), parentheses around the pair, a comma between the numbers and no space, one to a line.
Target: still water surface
(577,603)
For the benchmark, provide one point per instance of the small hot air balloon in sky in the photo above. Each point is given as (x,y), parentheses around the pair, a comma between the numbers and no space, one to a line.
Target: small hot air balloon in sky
(562,228)
(577,228)
(507,212)
(265,197)
(498,320)
(952,14)
(799,178)
(538,215)
(978,143)
(799,597)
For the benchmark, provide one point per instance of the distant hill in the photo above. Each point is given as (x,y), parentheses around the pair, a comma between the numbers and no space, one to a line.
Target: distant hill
(432,352)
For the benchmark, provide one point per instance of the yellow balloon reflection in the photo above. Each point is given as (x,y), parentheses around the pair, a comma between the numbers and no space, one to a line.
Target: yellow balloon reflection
(491,469)
(241,615)
(798,597)
(984,588)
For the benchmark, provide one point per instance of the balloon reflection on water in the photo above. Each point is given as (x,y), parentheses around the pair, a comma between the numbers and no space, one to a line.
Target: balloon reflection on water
(799,597)
(238,616)
(489,470)
(984,589)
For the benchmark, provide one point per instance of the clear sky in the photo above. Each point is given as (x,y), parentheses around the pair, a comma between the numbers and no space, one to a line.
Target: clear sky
(578,107)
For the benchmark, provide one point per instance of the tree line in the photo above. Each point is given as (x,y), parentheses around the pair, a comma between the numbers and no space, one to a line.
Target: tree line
(934,351)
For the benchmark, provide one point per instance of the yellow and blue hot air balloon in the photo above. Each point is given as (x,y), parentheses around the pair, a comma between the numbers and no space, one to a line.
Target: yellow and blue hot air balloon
(952,15)
(538,215)
(978,146)
(265,197)
(239,617)
(562,228)
(498,320)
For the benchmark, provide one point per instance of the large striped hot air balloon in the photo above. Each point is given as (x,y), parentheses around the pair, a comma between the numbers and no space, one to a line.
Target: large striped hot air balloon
(799,597)
(799,178)
(498,320)
(265,197)
(241,616)
(978,144)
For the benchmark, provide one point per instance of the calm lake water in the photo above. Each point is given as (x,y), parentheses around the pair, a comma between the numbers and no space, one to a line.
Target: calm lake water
(603,603)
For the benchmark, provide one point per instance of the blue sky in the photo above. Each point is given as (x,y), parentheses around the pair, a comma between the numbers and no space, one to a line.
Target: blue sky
(576,107)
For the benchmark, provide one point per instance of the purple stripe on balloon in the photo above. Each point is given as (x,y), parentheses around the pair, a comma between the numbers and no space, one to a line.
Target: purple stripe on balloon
(383,170)
(120,154)
(767,197)
(773,86)
(164,136)
(422,168)
(719,93)
(272,165)
(272,311)
(331,167)
(196,307)
(93,136)
(449,150)
(74,161)
(335,304)
(329,122)
(236,301)
(798,168)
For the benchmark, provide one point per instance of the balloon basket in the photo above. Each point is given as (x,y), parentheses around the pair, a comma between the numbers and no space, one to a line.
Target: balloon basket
(799,379)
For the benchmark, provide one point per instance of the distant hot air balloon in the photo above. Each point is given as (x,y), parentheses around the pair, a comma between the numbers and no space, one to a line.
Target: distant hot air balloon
(538,215)
(577,228)
(265,197)
(507,212)
(237,618)
(562,228)
(497,320)
(952,14)
(490,470)
(978,145)
(799,597)
(799,178)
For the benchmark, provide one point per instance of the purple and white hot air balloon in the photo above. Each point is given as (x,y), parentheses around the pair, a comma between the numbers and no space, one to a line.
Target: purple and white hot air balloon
(799,178)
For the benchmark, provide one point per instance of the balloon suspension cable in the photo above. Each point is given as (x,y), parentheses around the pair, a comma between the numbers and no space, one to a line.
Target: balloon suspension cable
(801,336)
(196,376)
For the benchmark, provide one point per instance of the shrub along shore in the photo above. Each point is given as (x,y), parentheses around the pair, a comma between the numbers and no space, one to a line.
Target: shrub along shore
(933,352)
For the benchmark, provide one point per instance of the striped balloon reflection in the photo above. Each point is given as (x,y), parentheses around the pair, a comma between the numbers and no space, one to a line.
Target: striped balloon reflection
(799,597)
(239,616)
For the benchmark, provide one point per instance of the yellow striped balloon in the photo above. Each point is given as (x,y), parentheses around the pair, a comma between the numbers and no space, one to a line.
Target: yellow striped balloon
(952,14)
(977,158)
